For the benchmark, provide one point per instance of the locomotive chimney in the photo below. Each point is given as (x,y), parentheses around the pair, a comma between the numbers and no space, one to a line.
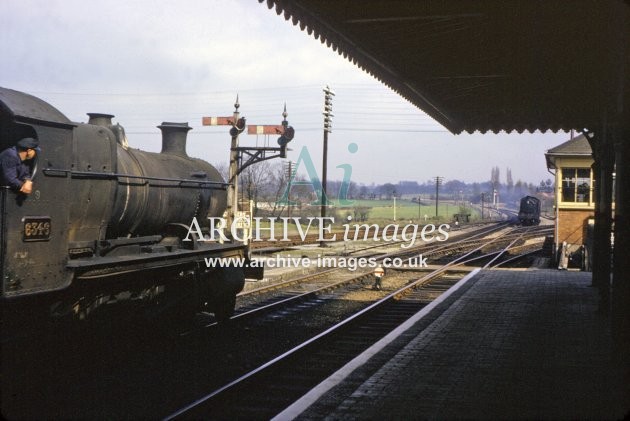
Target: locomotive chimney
(98,119)
(174,137)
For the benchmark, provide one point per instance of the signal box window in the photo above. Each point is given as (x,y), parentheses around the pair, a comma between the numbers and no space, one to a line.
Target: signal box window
(576,185)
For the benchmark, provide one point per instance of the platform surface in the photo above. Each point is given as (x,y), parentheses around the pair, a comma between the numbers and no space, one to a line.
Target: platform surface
(507,344)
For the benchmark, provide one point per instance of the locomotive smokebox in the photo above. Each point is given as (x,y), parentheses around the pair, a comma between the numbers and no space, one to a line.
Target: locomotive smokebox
(174,138)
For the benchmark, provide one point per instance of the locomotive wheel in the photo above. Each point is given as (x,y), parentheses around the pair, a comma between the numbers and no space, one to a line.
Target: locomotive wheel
(225,310)
(225,284)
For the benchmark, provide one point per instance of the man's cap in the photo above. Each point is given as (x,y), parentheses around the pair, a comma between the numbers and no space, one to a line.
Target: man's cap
(28,143)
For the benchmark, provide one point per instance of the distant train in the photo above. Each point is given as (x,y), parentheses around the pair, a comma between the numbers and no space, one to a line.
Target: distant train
(106,222)
(529,212)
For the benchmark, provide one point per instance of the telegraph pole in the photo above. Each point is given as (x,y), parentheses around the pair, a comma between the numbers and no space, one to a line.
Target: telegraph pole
(438,181)
(328,115)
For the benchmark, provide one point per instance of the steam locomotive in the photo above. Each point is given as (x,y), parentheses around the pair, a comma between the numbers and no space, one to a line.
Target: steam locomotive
(106,223)
(529,212)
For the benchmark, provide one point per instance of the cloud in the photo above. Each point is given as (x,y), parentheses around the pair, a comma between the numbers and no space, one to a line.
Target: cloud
(172,46)
(153,61)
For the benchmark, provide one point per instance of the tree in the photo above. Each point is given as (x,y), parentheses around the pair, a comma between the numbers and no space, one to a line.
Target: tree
(495,178)
(353,190)
(476,192)
(224,169)
(388,189)
(361,213)
(277,186)
(509,181)
(363,192)
(253,180)
(454,187)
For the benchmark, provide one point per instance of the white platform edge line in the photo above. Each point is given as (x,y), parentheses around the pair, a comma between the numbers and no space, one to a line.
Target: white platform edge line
(299,406)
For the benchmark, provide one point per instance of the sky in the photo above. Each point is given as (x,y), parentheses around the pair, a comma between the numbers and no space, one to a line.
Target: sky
(152,61)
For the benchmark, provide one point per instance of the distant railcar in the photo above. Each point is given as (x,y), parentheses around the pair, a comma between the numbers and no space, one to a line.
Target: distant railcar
(529,212)
(106,222)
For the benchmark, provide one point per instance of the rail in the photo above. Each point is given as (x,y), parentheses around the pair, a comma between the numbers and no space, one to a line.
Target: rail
(234,385)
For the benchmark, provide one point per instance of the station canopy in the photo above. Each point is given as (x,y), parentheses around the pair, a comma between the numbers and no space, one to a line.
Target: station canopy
(486,65)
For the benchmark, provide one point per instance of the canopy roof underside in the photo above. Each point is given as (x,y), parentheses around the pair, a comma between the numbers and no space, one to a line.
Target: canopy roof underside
(486,65)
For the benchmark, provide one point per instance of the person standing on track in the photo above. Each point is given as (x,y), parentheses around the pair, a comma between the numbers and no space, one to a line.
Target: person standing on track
(379,272)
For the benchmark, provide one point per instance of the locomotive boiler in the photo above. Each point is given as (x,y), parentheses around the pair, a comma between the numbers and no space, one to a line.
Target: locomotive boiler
(106,222)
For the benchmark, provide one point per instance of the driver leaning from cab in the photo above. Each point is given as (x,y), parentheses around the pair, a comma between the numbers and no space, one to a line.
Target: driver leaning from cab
(15,170)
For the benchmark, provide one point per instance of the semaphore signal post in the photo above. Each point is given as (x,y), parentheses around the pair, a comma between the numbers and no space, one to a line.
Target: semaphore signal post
(243,157)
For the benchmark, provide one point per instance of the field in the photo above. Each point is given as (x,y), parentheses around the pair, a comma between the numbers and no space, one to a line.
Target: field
(406,210)
(382,212)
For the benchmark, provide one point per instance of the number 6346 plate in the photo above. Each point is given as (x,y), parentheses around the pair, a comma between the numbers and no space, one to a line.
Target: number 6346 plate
(36,228)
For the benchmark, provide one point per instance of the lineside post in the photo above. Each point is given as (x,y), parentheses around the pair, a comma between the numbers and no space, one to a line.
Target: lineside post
(328,115)
(238,125)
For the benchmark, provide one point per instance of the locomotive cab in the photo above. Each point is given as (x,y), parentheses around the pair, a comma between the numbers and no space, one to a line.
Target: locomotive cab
(33,228)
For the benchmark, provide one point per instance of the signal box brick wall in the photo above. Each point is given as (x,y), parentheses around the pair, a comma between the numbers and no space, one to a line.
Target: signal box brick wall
(572,225)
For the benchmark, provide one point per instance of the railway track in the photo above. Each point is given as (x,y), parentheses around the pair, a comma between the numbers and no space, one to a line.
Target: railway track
(299,240)
(129,371)
(264,392)
(381,250)
(272,386)
(305,286)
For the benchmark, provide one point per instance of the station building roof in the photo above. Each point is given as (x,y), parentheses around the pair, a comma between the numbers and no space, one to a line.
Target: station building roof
(486,65)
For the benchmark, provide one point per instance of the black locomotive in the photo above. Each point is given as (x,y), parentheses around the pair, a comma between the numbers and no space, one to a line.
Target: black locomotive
(529,212)
(106,222)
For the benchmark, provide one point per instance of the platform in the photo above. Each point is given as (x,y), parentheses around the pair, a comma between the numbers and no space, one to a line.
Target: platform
(504,344)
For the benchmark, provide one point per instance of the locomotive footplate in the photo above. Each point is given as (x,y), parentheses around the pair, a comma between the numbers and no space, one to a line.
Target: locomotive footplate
(99,267)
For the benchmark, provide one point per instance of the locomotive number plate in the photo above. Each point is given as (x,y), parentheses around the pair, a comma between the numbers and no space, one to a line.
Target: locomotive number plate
(36,228)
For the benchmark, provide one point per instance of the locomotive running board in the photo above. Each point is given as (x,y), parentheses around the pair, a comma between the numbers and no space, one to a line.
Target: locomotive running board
(99,267)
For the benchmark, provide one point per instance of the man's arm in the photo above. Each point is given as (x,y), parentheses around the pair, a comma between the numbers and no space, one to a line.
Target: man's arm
(10,173)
